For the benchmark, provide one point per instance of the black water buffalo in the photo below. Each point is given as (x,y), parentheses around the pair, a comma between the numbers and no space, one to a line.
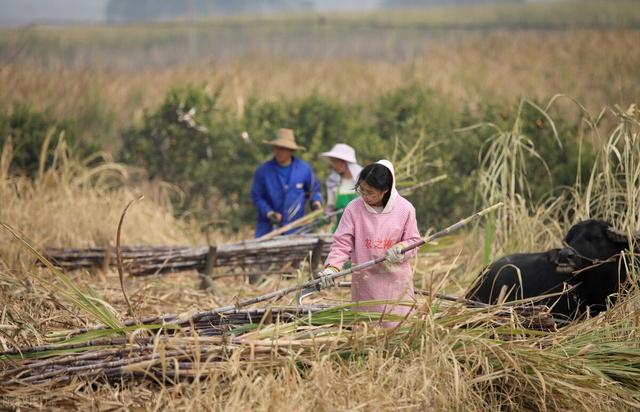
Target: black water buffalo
(584,275)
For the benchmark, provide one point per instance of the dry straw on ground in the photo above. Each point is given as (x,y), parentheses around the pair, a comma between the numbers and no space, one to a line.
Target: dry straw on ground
(445,357)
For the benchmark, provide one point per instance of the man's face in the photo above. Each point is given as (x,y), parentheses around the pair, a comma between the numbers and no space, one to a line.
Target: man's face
(282,155)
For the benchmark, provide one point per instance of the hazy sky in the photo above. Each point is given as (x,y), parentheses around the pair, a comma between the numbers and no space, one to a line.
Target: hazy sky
(25,11)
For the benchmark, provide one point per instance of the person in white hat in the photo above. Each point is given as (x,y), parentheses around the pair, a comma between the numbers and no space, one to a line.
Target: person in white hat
(341,183)
(282,185)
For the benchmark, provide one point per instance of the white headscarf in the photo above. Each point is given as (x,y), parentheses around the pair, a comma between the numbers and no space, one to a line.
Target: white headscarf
(334,180)
(393,194)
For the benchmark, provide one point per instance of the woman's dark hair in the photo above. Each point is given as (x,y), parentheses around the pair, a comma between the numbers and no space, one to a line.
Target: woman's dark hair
(378,177)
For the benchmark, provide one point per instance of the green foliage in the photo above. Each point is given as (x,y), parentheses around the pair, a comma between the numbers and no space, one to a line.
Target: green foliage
(405,114)
(28,130)
(319,123)
(563,162)
(211,152)
(563,156)
(218,163)
(193,142)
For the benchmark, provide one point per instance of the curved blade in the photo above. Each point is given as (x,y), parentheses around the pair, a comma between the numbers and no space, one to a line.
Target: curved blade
(306,292)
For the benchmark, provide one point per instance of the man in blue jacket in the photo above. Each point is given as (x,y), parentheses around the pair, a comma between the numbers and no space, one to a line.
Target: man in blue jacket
(282,185)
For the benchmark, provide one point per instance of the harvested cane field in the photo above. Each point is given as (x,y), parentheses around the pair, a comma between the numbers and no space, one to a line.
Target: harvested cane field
(110,300)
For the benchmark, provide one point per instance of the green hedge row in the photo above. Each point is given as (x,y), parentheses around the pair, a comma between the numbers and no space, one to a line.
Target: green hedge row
(210,151)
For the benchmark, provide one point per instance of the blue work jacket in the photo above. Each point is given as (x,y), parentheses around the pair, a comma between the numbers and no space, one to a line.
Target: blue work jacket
(269,192)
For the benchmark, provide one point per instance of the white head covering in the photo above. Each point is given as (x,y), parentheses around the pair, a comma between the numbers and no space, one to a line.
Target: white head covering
(393,196)
(348,154)
(340,151)
(343,152)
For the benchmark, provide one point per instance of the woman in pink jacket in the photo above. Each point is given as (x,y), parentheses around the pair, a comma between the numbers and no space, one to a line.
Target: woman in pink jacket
(380,222)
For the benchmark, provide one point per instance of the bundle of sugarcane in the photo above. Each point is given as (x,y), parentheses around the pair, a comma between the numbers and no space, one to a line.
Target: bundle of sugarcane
(144,260)
(91,354)
(96,256)
(277,250)
(172,358)
(194,346)
(204,323)
(186,344)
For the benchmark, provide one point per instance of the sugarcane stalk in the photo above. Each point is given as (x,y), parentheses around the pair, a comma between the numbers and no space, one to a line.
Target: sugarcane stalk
(126,364)
(405,191)
(409,190)
(179,321)
(299,222)
(316,282)
(68,360)
(119,255)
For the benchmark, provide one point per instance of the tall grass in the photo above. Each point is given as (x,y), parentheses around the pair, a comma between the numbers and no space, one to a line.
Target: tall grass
(507,159)
(613,193)
(77,203)
(445,357)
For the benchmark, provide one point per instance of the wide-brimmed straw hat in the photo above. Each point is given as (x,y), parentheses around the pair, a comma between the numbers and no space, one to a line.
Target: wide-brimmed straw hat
(284,138)
(340,151)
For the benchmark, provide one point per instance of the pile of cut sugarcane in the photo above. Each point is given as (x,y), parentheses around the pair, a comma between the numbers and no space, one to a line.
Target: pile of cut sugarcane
(146,260)
(171,348)
(145,350)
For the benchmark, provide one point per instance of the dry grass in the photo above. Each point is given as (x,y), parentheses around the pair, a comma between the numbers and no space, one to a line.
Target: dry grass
(446,357)
(73,205)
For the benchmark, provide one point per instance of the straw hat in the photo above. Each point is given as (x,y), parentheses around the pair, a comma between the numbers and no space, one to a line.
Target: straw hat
(285,138)
(340,151)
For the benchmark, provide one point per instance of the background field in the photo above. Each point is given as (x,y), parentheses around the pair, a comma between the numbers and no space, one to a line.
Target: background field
(89,120)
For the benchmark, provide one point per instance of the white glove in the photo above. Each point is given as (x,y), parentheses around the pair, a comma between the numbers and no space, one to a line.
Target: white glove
(394,254)
(327,282)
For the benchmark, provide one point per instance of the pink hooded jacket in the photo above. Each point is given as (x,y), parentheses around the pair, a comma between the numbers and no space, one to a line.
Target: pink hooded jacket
(364,234)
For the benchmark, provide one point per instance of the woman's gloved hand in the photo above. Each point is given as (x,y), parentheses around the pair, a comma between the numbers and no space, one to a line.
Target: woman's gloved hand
(394,253)
(327,282)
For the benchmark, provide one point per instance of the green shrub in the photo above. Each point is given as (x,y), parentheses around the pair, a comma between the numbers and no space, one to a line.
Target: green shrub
(28,130)
(319,123)
(193,142)
(407,113)
(213,163)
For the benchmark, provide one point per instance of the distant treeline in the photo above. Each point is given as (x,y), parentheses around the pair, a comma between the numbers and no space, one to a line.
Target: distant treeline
(149,10)
(123,11)
(433,3)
